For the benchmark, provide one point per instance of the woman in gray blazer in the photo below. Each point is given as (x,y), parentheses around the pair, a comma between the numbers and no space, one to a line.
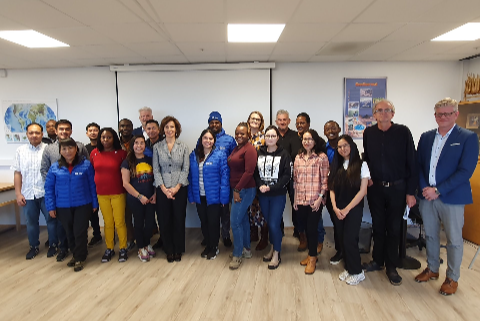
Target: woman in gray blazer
(170,170)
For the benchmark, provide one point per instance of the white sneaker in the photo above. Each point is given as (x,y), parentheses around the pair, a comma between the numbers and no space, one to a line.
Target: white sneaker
(344,275)
(143,255)
(354,279)
(150,251)
(247,254)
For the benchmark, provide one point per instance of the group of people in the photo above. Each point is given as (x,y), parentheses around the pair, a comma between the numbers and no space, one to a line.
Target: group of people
(241,183)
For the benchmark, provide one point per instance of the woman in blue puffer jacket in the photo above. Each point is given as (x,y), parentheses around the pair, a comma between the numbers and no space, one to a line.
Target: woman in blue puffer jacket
(209,188)
(71,196)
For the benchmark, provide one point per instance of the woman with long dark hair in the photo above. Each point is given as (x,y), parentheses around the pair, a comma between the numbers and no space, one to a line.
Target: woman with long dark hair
(70,196)
(209,188)
(347,183)
(170,169)
(106,160)
(272,176)
(137,175)
(310,177)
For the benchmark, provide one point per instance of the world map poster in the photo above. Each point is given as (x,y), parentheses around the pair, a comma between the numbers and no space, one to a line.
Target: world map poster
(18,114)
(361,94)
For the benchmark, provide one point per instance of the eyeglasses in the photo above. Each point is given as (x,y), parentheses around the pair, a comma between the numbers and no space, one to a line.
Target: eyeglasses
(256,119)
(446,115)
(383,111)
(270,136)
(343,146)
(307,140)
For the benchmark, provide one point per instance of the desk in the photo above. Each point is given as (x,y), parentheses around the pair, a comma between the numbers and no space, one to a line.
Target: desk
(7,197)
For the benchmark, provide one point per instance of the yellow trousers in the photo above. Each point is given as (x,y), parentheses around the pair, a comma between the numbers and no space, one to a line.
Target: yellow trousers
(113,211)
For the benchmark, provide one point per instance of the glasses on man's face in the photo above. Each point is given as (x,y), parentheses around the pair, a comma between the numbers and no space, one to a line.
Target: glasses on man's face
(270,136)
(256,119)
(383,111)
(308,140)
(343,146)
(446,115)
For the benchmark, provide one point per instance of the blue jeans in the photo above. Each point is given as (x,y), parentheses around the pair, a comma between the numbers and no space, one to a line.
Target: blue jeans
(32,210)
(239,221)
(272,209)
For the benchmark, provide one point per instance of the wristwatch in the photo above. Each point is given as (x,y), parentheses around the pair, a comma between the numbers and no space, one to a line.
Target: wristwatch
(436,191)
(321,195)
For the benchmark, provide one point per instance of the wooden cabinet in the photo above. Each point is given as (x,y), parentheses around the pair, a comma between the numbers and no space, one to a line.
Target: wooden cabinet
(469,118)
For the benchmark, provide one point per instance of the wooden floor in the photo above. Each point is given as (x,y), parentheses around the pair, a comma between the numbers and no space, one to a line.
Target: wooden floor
(197,289)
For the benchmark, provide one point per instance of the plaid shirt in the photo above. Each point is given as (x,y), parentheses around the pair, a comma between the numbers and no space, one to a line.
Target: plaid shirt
(310,177)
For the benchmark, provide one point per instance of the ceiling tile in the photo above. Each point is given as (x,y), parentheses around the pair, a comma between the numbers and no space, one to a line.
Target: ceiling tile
(202,49)
(7,24)
(175,59)
(129,32)
(247,58)
(265,11)
(329,11)
(290,58)
(206,58)
(212,32)
(109,51)
(77,36)
(365,32)
(330,58)
(188,11)
(249,48)
(311,32)
(343,48)
(154,48)
(297,48)
(457,11)
(396,11)
(386,48)
(420,31)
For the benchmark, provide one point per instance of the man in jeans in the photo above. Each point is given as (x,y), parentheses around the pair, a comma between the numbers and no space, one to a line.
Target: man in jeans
(30,192)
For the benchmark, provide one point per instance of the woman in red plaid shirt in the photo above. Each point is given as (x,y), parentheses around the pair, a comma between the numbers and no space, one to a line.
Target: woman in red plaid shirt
(310,178)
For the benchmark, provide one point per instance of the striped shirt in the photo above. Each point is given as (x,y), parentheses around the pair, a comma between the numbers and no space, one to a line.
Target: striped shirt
(310,177)
(200,176)
(28,161)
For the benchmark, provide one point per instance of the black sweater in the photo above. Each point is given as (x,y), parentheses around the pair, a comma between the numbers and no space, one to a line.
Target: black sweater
(274,170)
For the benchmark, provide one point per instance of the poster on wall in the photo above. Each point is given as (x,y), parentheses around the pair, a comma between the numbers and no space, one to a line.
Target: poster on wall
(18,114)
(361,94)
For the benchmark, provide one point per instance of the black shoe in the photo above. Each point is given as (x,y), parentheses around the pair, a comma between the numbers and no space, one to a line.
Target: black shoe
(205,252)
(123,255)
(159,244)
(78,266)
(178,257)
(296,234)
(371,266)
(334,260)
(32,253)
(62,254)
(71,263)
(394,278)
(52,250)
(130,246)
(213,253)
(170,258)
(95,241)
(47,243)
(227,242)
(204,242)
(107,256)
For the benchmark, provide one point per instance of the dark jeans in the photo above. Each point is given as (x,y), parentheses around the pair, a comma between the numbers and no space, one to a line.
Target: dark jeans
(94,222)
(225,221)
(347,230)
(272,209)
(172,220)
(308,218)
(144,216)
(210,221)
(129,224)
(75,223)
(333,217)
(387,205)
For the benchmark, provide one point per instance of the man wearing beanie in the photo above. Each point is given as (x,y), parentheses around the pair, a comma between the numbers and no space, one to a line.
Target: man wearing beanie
(226,143)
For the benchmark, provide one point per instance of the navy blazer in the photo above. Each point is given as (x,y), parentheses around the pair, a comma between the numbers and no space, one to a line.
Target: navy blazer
(456,165)
(137,131)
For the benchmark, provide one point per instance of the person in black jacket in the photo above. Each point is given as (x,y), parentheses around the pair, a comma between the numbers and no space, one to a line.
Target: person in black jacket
(272,175)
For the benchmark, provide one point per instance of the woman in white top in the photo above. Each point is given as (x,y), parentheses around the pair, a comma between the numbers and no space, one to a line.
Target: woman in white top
(347,183)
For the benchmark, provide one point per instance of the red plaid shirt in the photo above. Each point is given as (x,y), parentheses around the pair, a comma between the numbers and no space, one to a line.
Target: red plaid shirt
(310,177)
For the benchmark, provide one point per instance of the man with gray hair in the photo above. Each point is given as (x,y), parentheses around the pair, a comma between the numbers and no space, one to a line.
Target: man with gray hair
(390,154)
(447,157)
(145,114)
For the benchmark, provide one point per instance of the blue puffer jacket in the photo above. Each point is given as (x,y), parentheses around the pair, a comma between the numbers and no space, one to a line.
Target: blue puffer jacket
(66,190)
(216,178)
(225,143)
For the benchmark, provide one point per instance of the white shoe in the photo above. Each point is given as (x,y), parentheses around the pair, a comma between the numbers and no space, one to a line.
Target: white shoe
(150,251)
(247,254)
(344,275)
(143,255)
(354,279)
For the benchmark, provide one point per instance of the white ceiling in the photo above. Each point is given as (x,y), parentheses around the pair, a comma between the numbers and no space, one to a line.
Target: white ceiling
(106,32)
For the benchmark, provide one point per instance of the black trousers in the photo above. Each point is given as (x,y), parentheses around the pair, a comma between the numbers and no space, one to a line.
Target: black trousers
(129,223)
(387,205)
(308,218)
(291,195)
(337,238)
(172,220)
(94,222)
(347,230)
(210,221)
(75,222)
(225,220)
(144,220)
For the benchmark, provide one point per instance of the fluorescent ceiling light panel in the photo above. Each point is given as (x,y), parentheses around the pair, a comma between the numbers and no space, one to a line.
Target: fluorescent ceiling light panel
(254,32)
(31,39)
(468,32)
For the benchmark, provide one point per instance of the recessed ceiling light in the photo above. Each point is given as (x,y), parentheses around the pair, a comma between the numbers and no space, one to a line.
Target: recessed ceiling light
(31,39)
(254,32)
(468,32)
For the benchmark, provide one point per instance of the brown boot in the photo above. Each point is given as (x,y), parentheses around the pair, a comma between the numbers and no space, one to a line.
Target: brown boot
(449,287)
(305,261)
(319,248)
(426,275)
(264,238)
(303,242)
(253,233)
(311,262)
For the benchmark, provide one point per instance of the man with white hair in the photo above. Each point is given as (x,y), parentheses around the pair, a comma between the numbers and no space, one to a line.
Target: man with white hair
(145,114)
(447,157)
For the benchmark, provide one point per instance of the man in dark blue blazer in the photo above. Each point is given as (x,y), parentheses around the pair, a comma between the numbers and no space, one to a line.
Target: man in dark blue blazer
(447,157)
(145,114)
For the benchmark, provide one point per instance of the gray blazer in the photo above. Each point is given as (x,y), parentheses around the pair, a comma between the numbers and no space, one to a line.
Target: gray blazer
(170,168)
(51,154)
